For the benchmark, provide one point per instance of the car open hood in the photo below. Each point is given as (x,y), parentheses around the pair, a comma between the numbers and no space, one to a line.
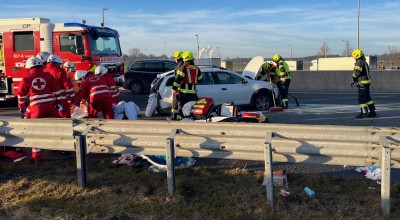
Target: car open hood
(253,67)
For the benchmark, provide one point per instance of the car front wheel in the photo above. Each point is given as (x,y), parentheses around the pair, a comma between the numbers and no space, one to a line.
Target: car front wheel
(136,87)
(262,101)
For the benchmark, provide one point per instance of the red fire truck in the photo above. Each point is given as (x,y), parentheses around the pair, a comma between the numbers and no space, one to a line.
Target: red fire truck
(85,45)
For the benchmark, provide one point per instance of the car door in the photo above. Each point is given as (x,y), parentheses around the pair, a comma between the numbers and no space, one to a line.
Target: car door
(207,88)
(233,88)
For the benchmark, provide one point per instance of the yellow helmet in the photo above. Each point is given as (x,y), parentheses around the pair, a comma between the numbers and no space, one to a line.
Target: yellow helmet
(177,54)
(265,66)
(357,53)
(276,57)
(187,55)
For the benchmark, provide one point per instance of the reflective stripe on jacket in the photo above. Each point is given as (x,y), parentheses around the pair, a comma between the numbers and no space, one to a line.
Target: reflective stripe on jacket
(361,72)
(283,70)
(186,79)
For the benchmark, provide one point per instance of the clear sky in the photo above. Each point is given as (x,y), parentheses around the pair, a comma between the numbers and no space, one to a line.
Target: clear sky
(238,28)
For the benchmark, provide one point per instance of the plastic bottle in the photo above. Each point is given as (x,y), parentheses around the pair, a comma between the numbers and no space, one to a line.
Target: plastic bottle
(309,192)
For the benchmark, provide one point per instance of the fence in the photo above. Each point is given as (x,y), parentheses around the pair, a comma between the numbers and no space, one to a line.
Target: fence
(339,145)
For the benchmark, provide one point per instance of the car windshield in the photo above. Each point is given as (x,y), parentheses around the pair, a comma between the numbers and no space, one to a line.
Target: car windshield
(105,45)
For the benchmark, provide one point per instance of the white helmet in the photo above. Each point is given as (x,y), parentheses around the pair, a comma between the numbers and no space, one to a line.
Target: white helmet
(43,56)
(100,70)
(54,59)
(32,62)
(70,65)
(80,75)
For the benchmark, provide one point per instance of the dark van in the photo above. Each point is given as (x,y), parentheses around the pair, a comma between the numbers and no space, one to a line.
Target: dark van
(140,73)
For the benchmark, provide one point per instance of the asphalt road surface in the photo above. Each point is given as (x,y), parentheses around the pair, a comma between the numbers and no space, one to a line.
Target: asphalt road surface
(319,108)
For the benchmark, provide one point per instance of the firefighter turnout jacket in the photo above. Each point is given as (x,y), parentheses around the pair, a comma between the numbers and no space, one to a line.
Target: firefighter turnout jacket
(186,79)
(282,70)
(361,72)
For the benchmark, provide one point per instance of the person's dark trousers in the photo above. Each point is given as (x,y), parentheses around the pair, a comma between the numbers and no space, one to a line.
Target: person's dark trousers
(284,91)
(185,98)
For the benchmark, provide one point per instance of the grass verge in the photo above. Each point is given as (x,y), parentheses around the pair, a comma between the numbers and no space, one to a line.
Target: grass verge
(49,191)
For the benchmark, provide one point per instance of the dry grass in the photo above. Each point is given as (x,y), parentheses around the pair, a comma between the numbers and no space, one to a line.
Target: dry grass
(49,191)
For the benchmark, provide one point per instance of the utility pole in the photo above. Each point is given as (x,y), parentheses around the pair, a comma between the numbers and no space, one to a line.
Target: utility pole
(358,26)
(198,47)
(103,9)
(289,45)
(165,56)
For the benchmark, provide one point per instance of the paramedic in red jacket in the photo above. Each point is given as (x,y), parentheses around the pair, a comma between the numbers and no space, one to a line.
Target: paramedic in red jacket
(42,90)
(102,71)
(96,92)
(64,82)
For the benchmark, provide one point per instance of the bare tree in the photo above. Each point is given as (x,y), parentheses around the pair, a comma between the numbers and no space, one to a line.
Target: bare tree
(135,54)
(394,55)
(323,50)
(347,50)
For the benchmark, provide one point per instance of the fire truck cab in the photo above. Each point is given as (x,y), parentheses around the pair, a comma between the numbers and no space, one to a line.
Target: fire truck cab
(85,45)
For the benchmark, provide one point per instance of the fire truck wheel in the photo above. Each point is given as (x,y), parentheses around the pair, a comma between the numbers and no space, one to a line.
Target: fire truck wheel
(262,101)
(136,87)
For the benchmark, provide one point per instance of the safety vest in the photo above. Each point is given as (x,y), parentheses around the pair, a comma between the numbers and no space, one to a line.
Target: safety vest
(285,73)
(187,79)
(191,75)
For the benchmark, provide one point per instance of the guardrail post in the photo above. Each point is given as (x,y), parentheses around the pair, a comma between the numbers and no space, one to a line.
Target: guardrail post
(81,157)
(81,165)
(171,163)
(269,184)
(385,177)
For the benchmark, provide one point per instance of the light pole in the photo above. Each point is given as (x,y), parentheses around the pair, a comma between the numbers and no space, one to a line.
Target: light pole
(358,26)
(165,56)
(347,47)
(102,10)
(198,47)
(289,45)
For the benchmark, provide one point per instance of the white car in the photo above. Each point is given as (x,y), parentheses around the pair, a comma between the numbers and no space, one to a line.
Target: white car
(222,85)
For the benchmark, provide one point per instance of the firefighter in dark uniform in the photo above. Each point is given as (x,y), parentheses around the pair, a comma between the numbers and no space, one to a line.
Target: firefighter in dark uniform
(283,73)
(185,82)
(268,74)
(363,81)
(174,109)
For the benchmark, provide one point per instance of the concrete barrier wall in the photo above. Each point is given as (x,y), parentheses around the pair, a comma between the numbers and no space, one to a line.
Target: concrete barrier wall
(339,81)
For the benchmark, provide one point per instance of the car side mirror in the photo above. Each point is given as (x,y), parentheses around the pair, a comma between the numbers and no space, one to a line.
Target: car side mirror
(244,81)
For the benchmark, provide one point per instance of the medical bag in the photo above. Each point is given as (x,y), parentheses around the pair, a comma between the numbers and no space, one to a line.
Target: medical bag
(202,108)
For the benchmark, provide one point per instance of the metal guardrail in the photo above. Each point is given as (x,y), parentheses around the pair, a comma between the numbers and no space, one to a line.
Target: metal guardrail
(48,134)
(340,145)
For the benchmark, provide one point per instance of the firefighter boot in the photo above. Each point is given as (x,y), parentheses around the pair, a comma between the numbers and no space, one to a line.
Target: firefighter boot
(364,112)
(285,104)
(372,112)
